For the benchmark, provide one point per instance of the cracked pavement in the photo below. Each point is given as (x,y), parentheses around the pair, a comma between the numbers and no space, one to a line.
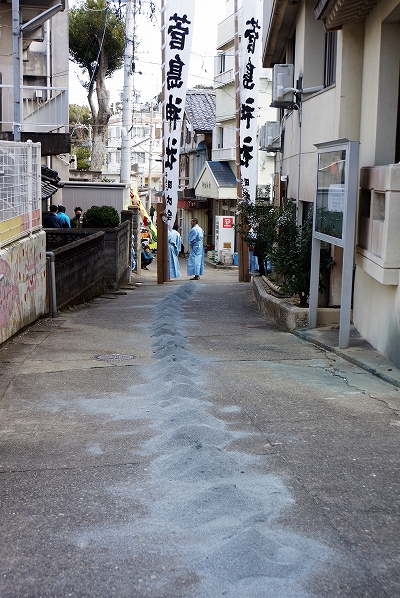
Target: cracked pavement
(172,442)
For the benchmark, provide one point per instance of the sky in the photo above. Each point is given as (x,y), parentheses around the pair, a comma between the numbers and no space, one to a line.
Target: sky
(208,13)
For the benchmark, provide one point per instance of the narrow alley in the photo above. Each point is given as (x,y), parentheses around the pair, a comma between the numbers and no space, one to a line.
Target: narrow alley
(168,441)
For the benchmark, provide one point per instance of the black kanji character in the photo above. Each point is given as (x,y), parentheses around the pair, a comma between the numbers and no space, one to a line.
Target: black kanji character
(252,34)
(245,151)
(248,80)
(168,214)
(168,201)
(174,75)
(171,153)
(172,112)
(177,32)
(247,112)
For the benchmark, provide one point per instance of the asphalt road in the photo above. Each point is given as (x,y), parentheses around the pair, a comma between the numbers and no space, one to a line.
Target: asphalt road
(170,442)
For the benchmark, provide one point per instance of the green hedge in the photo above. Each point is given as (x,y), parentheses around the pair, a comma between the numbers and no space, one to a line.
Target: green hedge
(100,217)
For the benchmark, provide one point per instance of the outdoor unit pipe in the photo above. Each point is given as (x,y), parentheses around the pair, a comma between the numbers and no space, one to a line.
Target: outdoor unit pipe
(50,254)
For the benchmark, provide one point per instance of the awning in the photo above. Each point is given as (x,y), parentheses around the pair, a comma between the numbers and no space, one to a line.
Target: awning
(217,181)
(50,182)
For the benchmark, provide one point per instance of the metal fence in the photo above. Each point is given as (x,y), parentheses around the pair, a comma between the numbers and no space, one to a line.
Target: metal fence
(20,190)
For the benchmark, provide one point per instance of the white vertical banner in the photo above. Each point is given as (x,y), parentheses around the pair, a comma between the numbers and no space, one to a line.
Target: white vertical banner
(250,69)
(179,17)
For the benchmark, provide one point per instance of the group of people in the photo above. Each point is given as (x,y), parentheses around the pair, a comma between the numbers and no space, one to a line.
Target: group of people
(195,265)
(57,218)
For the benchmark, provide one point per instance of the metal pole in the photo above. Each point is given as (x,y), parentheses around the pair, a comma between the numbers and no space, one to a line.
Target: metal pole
(125,174)
(16,47)
(50,254)
(30,184)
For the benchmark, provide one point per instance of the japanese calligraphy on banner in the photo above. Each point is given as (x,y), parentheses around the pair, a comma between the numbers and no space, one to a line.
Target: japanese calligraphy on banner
(178,40)
(250,68)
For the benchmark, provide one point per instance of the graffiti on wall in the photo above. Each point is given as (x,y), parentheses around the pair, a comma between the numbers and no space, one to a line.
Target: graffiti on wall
(22,284)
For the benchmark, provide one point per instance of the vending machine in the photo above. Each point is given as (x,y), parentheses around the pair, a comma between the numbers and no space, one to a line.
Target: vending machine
(224,239)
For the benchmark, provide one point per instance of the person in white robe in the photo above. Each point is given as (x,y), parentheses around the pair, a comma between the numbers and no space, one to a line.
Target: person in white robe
(195,265)
(174,247)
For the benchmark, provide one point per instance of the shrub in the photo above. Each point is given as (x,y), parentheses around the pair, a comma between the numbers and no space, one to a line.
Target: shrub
(82,157)
(100,217)
(284,243)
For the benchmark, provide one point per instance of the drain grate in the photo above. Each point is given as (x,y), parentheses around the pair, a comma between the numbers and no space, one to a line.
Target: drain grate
(115,357)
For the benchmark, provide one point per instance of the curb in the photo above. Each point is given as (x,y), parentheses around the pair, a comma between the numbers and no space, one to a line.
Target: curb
(346,354)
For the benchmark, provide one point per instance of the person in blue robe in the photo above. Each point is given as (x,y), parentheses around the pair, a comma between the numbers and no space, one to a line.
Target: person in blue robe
(195,265)
(174,247)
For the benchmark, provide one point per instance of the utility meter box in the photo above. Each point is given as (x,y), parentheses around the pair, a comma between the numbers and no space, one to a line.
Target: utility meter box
(282,80)
(224,238)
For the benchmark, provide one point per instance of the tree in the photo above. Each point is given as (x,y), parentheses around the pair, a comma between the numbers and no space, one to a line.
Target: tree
(96,44)
(80,122)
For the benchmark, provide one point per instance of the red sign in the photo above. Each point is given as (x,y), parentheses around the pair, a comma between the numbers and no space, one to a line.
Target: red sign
(227,222)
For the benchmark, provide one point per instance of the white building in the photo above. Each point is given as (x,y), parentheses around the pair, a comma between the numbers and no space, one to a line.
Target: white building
(146,151)
(349,52)
(217,181)
(37,110)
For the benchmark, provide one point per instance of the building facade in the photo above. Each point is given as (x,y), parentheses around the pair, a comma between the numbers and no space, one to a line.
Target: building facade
(194,152)
(146,151)
(346,59)
(34,147)
(217,181)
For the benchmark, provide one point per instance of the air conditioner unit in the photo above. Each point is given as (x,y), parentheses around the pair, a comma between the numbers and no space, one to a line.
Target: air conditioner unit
(282,86)
(273,136)
(270,136)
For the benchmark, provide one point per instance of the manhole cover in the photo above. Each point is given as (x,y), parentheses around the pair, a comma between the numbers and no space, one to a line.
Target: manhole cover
(115,357)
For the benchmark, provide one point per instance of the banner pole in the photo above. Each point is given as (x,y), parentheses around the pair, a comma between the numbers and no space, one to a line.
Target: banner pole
(243,250)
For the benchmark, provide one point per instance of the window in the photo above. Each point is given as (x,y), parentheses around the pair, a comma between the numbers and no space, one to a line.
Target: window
(221,60)
(138,157)
(330,58)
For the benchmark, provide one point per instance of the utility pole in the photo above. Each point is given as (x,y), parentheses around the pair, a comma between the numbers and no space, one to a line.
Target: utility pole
(17,68)
(125,174)
(150,156)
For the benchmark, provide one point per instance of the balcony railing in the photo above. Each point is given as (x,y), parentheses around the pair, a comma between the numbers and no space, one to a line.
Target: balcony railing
(44,109)
(224,78)
(224,154)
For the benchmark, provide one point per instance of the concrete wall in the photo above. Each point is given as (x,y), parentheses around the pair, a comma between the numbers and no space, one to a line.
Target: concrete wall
(380,84)
(376,314)
(117,247)
(23,286)
(80,270)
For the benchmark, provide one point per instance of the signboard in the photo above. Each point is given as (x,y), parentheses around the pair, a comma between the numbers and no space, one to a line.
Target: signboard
(330,198)
(335,203)
(227,222)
